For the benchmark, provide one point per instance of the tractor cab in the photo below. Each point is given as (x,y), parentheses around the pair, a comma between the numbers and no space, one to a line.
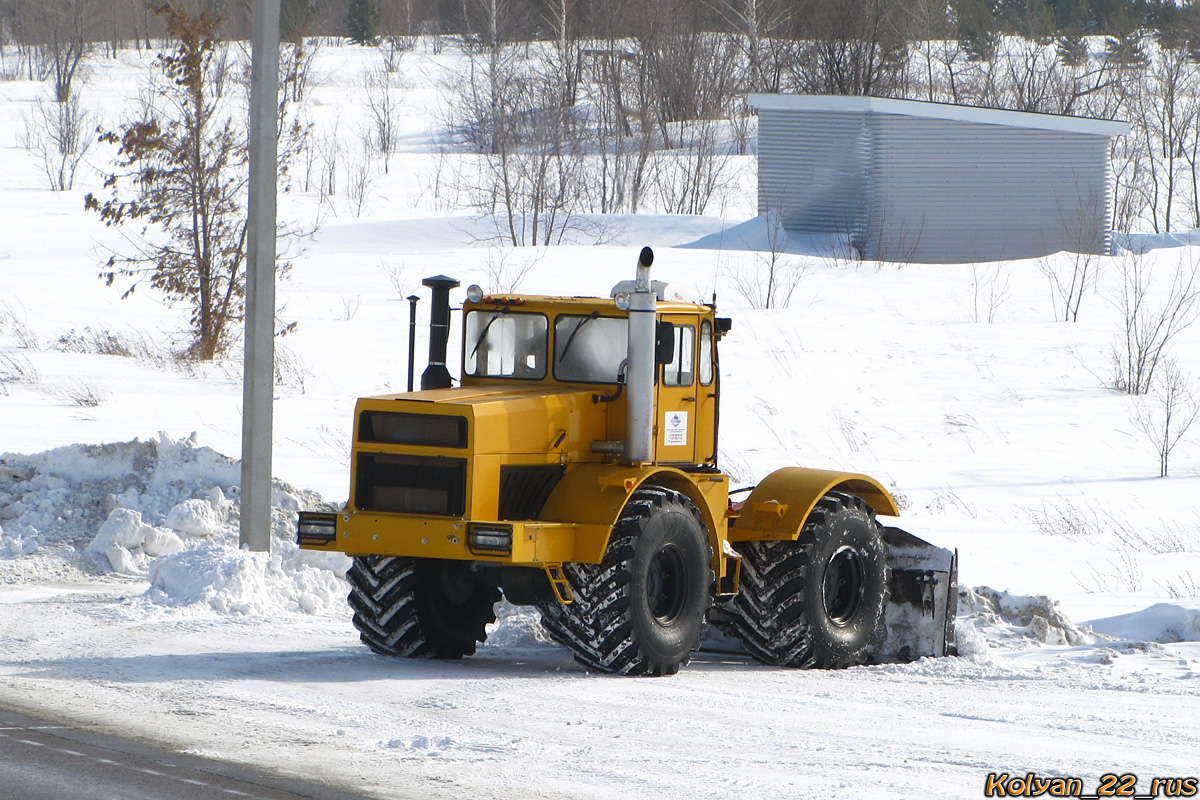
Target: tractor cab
(528,342)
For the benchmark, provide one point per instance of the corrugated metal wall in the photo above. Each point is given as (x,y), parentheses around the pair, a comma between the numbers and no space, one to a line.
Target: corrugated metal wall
(812,168)
(911,188)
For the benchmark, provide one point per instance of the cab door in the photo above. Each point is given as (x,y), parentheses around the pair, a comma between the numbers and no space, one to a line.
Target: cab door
(676,423)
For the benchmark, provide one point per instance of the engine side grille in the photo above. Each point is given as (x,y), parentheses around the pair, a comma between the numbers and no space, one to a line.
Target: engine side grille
(411,484)
(525,489)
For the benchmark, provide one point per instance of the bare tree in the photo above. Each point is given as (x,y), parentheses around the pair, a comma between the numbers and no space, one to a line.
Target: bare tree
(1148,328)
(1165,109)
(760,27)
(383,105)
(184,177)
(1167,414)
(854,47)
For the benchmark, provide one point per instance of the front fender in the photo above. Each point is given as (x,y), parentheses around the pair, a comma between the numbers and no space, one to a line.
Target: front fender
(780,504)
(595,495)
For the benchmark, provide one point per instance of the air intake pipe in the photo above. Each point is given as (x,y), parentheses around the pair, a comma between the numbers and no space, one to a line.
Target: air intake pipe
(639,403)
(436,376)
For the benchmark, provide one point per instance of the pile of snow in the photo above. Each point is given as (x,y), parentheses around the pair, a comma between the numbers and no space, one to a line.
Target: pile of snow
(129,544)
(62,497)
(988,618)
(517,626)
(232,581)
(165,511)
(1165,623)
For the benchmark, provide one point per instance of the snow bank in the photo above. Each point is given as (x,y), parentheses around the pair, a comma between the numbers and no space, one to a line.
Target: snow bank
(1142,243)
(62,497)
(760,235)
(232,581)
(1165,623)
(165,510)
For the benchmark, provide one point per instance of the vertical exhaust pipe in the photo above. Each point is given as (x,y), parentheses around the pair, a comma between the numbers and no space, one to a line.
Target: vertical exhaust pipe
(639,403)
(436,376)
(412,337)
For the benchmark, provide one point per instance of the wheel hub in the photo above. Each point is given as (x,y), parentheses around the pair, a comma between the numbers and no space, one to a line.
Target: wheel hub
(666,585)
(842,590)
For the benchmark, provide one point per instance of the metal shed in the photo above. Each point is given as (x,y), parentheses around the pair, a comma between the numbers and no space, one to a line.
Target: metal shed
(935,182)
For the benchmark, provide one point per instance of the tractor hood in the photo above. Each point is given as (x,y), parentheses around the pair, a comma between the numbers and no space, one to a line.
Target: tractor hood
(511,420)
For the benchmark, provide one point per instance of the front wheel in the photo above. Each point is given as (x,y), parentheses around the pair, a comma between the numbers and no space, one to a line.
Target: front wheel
(818,601)
(419,608)
(641,610)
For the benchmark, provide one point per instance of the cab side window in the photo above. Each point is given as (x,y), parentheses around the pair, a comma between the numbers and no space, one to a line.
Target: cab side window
(706,353)
(682,370)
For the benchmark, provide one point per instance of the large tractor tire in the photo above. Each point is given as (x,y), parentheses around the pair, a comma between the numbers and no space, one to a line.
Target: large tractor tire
(419,608)
(817,601)
(641,610)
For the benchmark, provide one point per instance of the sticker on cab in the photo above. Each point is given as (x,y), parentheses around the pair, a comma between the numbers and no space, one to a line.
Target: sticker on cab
(675,429)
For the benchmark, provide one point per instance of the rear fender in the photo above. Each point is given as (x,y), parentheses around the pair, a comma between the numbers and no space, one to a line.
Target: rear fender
(779,506)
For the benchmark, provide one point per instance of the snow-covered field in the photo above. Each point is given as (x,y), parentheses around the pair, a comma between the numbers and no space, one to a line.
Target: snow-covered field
(124,602)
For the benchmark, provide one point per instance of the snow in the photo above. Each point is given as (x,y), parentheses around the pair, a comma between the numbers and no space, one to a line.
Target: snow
(126,603)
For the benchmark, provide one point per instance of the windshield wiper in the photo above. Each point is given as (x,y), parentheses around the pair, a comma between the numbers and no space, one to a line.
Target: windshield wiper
(571,338)
(483,333)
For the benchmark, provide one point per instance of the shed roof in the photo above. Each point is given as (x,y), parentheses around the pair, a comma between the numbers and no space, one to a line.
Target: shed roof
(947,111)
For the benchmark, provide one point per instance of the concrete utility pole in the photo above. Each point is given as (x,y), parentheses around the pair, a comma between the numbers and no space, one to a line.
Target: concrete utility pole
(259,367)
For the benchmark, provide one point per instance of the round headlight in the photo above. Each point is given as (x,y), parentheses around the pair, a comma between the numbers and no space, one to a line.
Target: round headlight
(622,300)
(474,293)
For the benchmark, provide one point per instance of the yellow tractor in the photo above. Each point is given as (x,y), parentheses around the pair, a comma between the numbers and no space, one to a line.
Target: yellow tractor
(574,468)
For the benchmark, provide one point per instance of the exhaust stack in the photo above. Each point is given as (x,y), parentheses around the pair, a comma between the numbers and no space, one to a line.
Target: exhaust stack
(639,408)
(436,376)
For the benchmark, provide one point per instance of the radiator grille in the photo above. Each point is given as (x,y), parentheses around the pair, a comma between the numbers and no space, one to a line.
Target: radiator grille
(411,484)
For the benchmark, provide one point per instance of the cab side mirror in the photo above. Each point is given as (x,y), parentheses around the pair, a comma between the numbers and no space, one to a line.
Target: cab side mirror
(664,344)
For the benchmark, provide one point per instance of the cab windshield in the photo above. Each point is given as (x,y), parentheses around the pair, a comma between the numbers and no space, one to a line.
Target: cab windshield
(589,348)
(505,344)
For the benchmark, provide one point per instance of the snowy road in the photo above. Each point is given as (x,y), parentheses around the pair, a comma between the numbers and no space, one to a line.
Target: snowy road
(299,696)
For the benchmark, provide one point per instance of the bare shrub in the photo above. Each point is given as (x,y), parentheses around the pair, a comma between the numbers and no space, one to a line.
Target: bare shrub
(1149,327)
(505,270)
(18,369)
(772,279)
(1070,276)
(350,306)
(398,275)
(83,394)
(290,372)
(1076,523)
(1182,587)
(59,135)
(103,342)
(1166,413)
(360,176)
(14,322)
(383,105)
(686,178)
(989,291)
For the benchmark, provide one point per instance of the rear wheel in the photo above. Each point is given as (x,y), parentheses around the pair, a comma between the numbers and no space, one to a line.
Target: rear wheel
(419,608)
(815,602)
(641,610)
